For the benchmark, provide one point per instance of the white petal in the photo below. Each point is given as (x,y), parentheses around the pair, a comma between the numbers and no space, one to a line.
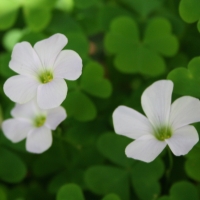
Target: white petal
(20,89)
(15,129)
(24,59)
(156,101)
(184,111)
(28,110)
(49,49)
(52,94)
(68,65)
(183,140)
(54,117)
(145,148)
(39,140)
(130,123)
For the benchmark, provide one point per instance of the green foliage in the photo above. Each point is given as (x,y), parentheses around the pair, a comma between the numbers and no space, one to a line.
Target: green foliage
(189,10)
(186,81)
(70,192)
(8,13)
(143,7)
(193,163)
(2,194)
(80,106)
(111,197)
(183,191)
(84,4)
(104,180)
(12,168)
(125,45)
(134,55)
(152,172)
(93,81)
(112,147)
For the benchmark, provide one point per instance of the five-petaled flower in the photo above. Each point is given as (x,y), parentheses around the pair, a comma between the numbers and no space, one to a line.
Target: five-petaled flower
(42,70)
(166,124)
(34,124)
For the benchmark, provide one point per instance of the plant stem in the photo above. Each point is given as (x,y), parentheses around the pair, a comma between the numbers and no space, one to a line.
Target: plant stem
(168,172)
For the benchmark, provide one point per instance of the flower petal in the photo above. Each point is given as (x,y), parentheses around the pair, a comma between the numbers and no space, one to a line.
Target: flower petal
(130,123)
(156,101)
(54,117)
(24,59)
(68,65)
(49,49)
(39,140)
(184,111)
(52,94)
(27,111)
(183,140)
(145,148)
(15,129)
(20,89)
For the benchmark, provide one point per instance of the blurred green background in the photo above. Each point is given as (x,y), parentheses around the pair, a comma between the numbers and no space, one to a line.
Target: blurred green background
(125,45)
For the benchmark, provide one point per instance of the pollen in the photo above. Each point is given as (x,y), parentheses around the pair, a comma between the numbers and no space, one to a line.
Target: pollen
(39,121)
(46,77)
(163,133)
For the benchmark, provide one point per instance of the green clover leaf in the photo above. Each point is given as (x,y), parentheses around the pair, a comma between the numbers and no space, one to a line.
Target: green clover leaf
(192,164)
(190,11)
(8,13)
(70,192)
(143,7)
(93,81)
(133,55)
(105,179)
(114,152)
(80,106)
(182,190)
(8,173)
(74,192)
(100,178)
(187,80)
(37,13)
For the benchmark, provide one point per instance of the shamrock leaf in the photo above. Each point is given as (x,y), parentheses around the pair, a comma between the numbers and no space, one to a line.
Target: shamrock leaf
(93,81)
(8,173)
(192,164)
(84,4)
(104,179)
(8,13)
(190,11)
(74,192)
(80,106)
(112,146)
(133,55)
(37,13)
(186,81)
(70,192)
(151,172)
(143,7)
(182,191)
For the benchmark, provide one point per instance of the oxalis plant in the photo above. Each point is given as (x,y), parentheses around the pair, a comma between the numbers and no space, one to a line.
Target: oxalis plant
(99,100)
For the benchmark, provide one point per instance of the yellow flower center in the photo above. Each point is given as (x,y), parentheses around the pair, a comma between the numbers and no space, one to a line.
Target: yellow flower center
(46,77)
(39,121)
(163,133)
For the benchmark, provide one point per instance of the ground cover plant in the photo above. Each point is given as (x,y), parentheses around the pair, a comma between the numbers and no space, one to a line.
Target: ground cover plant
(99,99)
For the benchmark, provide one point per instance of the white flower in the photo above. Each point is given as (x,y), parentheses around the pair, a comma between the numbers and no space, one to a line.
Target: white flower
(166,124)
(34,124)
(42,70)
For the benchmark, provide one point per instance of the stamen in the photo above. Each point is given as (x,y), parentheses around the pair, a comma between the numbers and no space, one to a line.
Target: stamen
(163,133)
(46,77)
(39,121)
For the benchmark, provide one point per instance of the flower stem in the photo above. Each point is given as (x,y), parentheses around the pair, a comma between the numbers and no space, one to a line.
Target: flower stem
(168,172)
